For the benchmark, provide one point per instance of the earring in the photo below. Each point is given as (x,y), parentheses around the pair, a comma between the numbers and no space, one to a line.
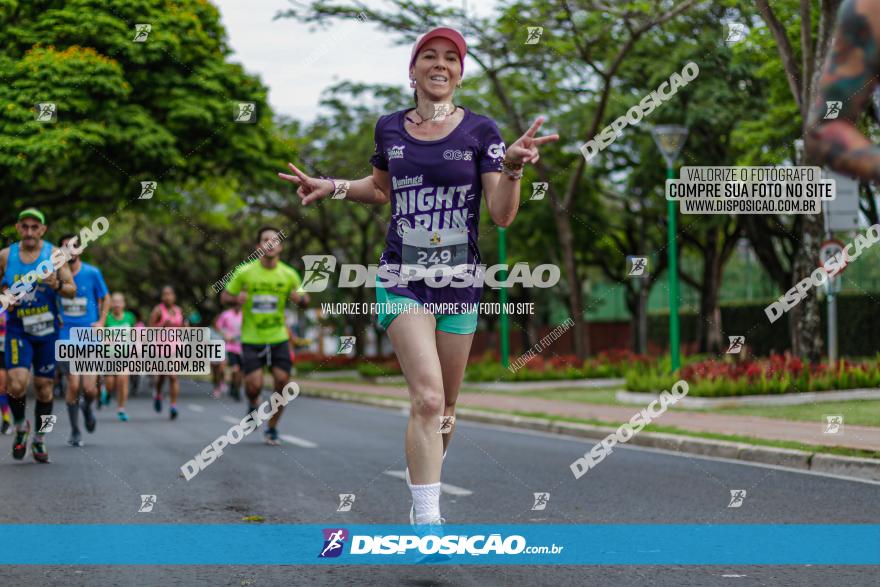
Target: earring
(412,82)
(459,83)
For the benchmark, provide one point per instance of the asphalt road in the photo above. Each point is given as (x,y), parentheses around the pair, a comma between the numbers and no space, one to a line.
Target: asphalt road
(335,448)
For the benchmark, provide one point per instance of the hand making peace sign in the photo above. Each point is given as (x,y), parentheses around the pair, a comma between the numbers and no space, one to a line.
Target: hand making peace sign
(310,188)
(525,149)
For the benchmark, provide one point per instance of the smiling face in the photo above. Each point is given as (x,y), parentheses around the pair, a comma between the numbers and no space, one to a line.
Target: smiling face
(437,70)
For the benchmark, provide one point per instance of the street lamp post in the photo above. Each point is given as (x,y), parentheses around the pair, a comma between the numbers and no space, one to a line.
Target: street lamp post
(670,140)
(502,295)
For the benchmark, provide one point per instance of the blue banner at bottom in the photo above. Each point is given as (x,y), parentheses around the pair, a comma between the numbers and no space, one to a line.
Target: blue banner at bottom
(270,544)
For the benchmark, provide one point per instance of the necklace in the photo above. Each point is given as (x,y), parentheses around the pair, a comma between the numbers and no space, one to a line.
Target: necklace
(423,119)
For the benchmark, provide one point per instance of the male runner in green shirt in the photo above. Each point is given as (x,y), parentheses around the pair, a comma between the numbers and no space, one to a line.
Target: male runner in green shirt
(263,288)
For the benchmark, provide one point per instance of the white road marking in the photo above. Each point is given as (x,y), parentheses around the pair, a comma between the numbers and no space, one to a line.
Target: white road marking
(444,487)
(733,576)
(295,440)
(195,408)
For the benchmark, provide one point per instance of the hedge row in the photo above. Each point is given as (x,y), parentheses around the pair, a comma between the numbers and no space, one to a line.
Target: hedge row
(855,315)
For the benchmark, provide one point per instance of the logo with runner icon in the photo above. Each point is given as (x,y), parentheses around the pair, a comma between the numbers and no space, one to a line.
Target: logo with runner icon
(539,190)
(245,112)
(446,424)
(319,268)
(637,266)
(833,424)
(148,188)
(346,345)
(534,35)
(45,112)
(737,497)
(142,32)
(346,500)
(147,503)
(47,423)
(736,344)
(541,500)
(334,540)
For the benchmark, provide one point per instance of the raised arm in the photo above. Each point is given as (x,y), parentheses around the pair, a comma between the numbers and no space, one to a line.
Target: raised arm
(845,88)
(373,189)
(502,193)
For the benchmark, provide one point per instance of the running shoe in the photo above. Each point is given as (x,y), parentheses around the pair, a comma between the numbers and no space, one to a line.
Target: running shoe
(157,402)
(123,417)
(89,416)
(434,528)
(215,393)
(75,439)
(38,448)
(7,423)
(19,445)
(173,413)
(272,437)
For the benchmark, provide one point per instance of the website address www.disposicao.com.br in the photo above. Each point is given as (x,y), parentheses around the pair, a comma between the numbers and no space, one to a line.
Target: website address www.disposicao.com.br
(335,540)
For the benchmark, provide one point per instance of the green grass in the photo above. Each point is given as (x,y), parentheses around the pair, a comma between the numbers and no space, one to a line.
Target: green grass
(857,412)
(860,412)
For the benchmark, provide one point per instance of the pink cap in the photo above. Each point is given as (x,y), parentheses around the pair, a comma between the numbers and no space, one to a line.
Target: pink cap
(443,32)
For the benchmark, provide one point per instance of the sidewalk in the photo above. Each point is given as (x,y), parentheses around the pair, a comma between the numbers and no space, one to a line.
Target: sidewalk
(856,437)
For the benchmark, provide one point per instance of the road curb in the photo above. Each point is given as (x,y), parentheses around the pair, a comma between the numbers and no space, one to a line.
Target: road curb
(857,468)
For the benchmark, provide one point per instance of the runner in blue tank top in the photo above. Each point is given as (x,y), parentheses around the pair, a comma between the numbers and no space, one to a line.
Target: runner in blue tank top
(28,267)
(433,164)
(88,309)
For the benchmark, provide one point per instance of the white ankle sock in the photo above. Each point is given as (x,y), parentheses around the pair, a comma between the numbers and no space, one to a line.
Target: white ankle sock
(426,499)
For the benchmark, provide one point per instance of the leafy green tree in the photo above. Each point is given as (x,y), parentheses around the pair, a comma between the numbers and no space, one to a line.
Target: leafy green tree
(125,112)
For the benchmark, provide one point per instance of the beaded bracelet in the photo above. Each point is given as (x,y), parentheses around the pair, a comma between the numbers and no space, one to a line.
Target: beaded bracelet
(511,170)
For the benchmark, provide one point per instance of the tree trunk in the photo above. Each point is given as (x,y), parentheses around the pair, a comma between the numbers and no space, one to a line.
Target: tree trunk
(632,299)
(804,321)
(709,327)
(575,299)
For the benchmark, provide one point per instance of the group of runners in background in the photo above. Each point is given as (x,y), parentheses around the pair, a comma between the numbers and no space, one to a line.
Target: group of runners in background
(75,295)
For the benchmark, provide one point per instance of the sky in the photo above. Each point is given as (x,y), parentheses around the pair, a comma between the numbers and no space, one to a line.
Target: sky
(297,64)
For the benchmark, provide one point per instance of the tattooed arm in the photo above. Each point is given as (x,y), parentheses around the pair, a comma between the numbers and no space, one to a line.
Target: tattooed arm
(850,75)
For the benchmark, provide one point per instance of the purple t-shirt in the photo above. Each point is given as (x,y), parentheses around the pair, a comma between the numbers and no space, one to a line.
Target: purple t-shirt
(436,191)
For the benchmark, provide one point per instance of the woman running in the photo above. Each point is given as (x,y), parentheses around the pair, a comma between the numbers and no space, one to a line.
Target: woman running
(228,323)
(437,160)
(167,315)
(119,317)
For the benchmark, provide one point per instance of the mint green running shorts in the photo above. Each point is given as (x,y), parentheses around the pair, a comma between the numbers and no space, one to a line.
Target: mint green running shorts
(452,323)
